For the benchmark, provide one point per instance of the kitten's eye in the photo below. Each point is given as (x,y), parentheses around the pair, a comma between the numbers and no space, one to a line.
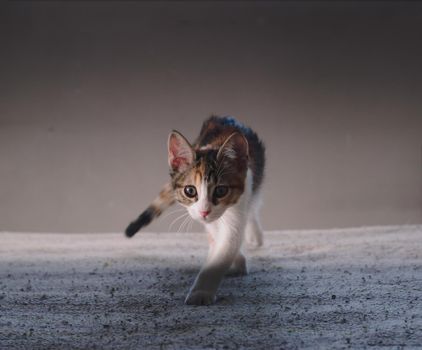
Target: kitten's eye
(221,191)
(190,191)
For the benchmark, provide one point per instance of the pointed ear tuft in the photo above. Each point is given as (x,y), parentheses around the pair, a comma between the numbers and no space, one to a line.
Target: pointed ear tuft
(180,152)
(235,148)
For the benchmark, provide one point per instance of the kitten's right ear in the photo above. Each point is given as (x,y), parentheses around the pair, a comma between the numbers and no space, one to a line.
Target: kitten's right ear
(180,153)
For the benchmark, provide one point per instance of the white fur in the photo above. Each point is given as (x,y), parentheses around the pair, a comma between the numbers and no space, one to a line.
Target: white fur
(208,147)
(253,232)
(227,233)
(202,204)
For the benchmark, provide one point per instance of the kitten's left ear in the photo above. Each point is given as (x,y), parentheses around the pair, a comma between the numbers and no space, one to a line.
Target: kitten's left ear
(235,147)
(180,153)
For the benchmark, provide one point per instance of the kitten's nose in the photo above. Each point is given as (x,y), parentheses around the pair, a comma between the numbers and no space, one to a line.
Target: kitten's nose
(204,214)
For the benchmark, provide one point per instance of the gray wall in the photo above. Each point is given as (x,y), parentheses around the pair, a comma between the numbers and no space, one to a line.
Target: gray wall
(90,90)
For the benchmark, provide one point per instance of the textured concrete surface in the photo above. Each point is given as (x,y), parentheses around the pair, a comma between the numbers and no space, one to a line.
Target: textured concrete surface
(356,288)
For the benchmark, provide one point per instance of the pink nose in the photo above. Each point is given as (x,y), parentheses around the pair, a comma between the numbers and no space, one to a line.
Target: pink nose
(204,214)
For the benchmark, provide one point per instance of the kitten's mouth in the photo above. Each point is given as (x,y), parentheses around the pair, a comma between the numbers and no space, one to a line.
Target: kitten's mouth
(207,219)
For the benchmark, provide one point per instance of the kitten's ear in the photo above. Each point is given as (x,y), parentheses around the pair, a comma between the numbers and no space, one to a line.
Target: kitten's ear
(180,153)
(235,147)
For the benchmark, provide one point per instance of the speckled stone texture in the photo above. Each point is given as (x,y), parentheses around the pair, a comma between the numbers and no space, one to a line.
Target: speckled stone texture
(346,288)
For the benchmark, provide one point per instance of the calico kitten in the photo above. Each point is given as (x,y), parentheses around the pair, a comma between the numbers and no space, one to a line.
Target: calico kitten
(218,180)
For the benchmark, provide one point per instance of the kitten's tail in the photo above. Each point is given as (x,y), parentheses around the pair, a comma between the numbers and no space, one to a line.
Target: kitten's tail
(159,204)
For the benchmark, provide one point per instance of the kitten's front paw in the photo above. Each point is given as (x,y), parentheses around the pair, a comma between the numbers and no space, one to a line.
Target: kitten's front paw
(200,297)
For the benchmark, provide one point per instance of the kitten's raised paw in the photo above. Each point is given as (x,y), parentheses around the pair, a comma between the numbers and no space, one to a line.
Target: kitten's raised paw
(200,297)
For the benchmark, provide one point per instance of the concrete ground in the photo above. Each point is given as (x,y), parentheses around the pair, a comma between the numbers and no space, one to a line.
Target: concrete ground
(348,288)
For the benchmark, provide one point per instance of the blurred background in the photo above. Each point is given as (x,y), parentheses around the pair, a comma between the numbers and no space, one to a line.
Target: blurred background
(89,91)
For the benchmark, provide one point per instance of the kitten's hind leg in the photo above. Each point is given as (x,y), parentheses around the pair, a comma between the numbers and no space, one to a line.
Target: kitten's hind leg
(238,267)
(253,233)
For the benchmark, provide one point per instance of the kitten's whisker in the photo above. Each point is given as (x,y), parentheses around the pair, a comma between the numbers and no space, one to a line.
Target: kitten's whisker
(180,226)
(178,230)
(183,223)
(188,225)
(178,218)
(173,212)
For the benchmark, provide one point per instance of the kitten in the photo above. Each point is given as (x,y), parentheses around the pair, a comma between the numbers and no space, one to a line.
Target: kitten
(218,180)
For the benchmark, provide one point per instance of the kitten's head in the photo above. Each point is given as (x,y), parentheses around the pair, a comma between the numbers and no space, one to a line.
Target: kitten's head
(209,179)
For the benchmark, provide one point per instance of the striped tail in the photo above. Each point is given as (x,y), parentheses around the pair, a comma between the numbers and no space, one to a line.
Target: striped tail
(159,204)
